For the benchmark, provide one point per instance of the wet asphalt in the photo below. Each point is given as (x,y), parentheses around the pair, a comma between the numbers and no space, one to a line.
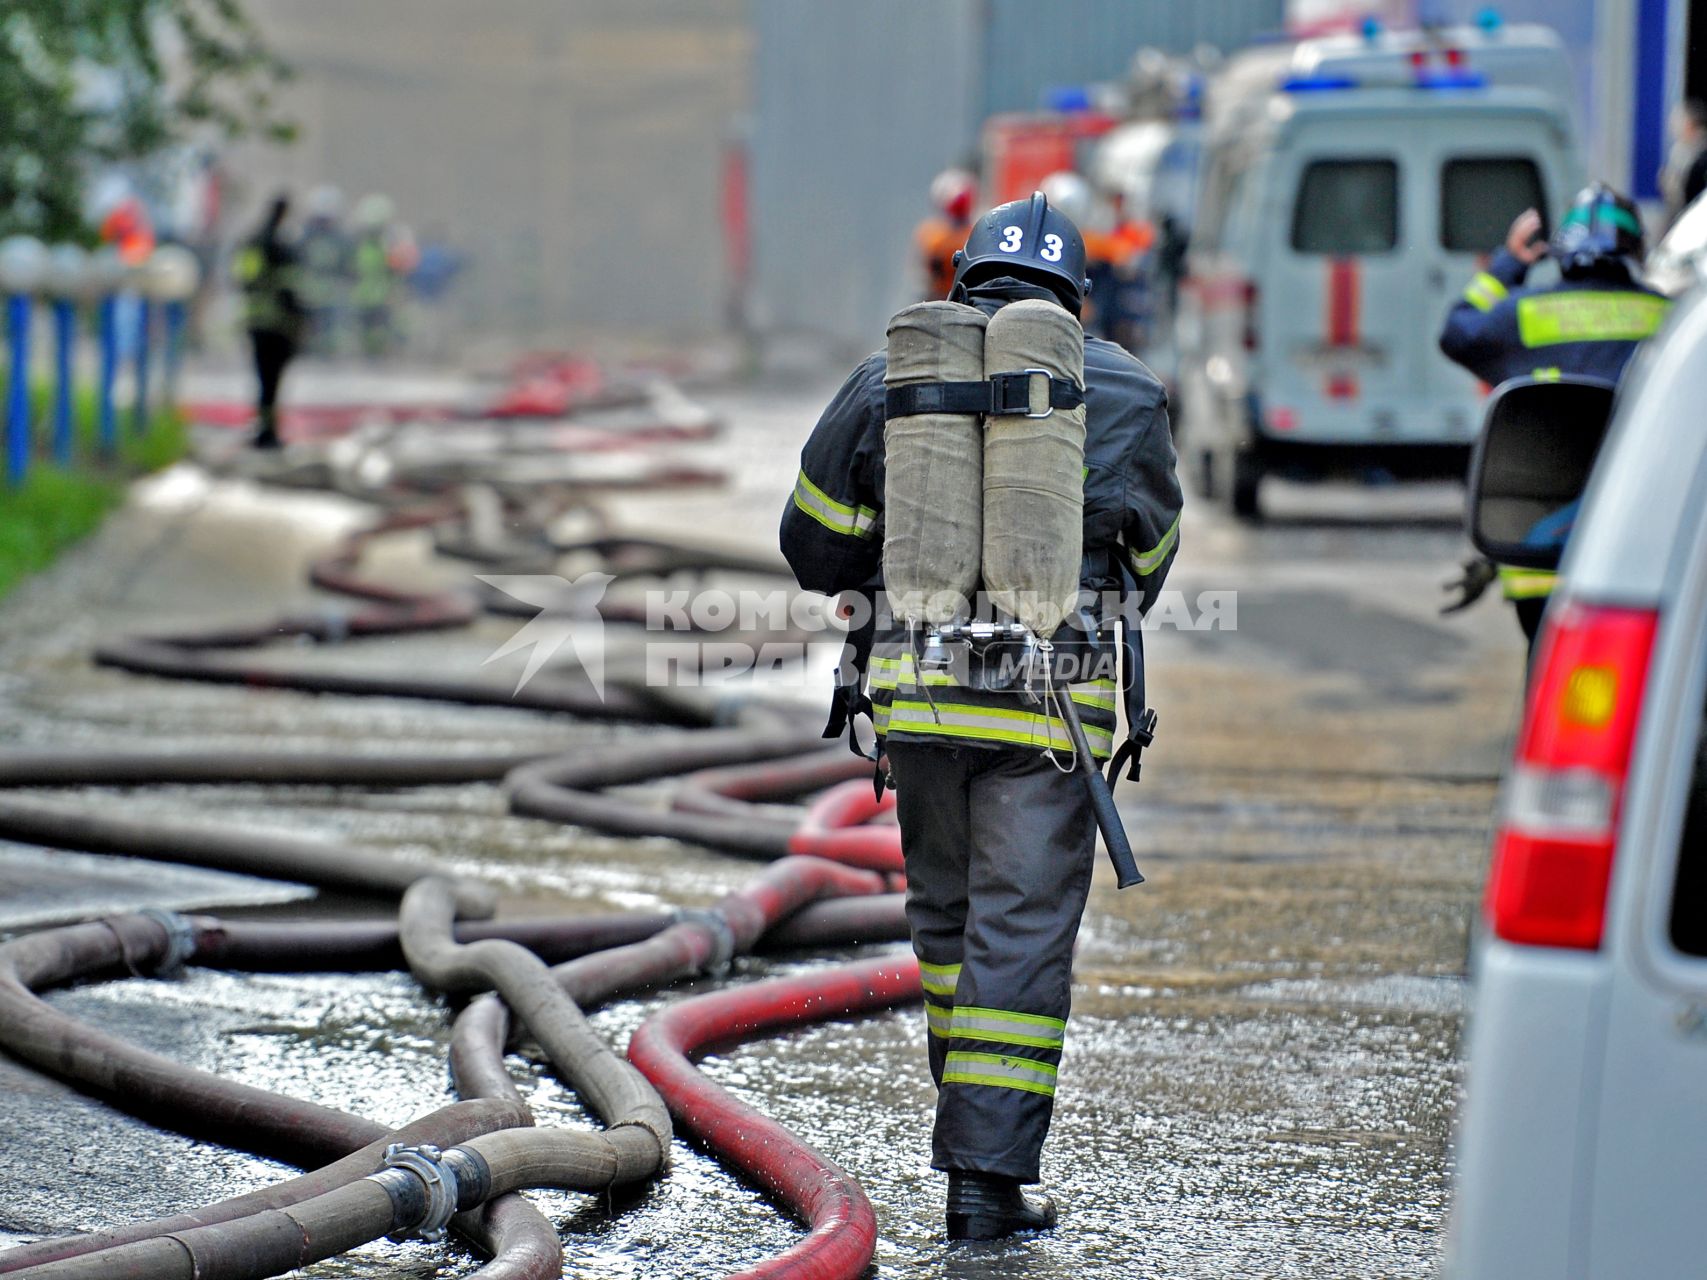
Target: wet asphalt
(1262,1066)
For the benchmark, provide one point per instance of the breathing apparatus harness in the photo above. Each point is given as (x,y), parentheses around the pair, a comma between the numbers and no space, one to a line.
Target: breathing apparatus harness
(984,437)
(1011,393)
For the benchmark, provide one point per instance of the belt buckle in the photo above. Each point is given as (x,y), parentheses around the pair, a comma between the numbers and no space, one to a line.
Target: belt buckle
(1013,393)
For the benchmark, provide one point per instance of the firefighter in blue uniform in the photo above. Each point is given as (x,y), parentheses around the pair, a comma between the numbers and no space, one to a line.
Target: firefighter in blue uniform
(999,840)
(1589,323)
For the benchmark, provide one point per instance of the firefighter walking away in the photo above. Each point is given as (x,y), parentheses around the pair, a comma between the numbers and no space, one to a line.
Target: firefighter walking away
(971,487)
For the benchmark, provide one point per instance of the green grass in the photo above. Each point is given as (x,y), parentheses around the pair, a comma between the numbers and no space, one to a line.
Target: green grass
(49,512)
(56,506)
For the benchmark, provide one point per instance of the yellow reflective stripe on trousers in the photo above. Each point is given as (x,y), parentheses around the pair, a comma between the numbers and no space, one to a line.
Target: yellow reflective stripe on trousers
(1526,584)
(1588,316)
(999,1071)
(892,673)
(1144,563)
(999,1025)
(992,724)
(1486,292)
(939,979)
(938,1020)
(837,517)
(898,673)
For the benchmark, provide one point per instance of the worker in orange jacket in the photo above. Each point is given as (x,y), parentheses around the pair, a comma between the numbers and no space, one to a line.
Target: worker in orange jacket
(943,234)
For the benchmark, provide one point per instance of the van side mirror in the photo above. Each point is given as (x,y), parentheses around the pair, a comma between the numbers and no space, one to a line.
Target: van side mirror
(1531,464)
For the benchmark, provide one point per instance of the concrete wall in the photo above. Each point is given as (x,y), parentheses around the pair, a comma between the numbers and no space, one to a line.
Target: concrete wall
(572,150)
(856,107)
(1031,48)
(859,102)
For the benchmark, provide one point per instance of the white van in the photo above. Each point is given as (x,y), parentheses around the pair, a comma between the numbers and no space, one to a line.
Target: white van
(1582,1147)
(1350,187)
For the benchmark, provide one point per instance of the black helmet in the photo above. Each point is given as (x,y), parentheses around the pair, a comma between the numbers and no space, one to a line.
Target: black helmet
(1030,241)
(1600,225)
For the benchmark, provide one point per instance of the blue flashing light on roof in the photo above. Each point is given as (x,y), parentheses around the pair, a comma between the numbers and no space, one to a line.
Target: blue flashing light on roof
(1489,20)
(1190,103)
(1068,97)
(1451,80)
(1372,29)
(1317,84)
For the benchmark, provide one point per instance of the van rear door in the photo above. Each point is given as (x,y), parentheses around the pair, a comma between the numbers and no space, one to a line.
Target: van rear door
(1337,298)
(1481,173)
(1650,1144)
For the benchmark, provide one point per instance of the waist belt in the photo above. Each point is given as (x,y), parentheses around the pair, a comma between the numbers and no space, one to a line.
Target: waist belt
(1004,394)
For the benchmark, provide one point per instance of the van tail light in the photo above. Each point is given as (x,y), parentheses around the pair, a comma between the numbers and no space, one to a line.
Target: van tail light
(1561,805)
(1250,301)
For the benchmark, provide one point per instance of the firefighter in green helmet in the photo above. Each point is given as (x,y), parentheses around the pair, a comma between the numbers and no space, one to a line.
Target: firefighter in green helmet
(1589,322)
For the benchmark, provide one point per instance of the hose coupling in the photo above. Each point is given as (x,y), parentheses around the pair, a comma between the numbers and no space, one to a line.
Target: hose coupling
(422,1184)
(333,627)
(722,934)
(180,938)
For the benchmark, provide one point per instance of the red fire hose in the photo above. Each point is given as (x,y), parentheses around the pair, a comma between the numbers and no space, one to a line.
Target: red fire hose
(841,826)
(843,1232)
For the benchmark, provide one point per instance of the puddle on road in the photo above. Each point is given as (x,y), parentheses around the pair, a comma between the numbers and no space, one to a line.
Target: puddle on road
(1261,1071)
(1228,1107)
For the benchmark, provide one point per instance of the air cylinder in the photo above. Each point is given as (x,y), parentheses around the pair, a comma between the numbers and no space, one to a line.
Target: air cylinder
(933,494)
(1034,469)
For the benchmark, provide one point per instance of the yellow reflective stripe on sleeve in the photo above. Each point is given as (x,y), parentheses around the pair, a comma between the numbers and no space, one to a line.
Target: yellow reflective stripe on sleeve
(1009,1028)
(992,724)
(937,1021)
(1546,319)
(1144,563)
(1486,292)
(999,1071)
(939,979)
(1551,373)
(1526,584)
(837,517)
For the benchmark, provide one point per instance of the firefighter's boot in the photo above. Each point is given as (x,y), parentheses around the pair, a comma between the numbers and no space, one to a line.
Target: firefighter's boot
(984,1206)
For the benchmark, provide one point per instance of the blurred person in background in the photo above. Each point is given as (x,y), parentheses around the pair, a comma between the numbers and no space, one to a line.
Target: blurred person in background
(197,218)
(1589,323)
(325,252)
(374,295)
(437,268)
(1173,240)
(940,236)
(1116,308)
(1684,175)
(127,227)
(123,224)
(266,269)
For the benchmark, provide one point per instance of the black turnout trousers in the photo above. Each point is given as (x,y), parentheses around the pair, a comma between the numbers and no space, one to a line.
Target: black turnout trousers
(272,352)
(999,846)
